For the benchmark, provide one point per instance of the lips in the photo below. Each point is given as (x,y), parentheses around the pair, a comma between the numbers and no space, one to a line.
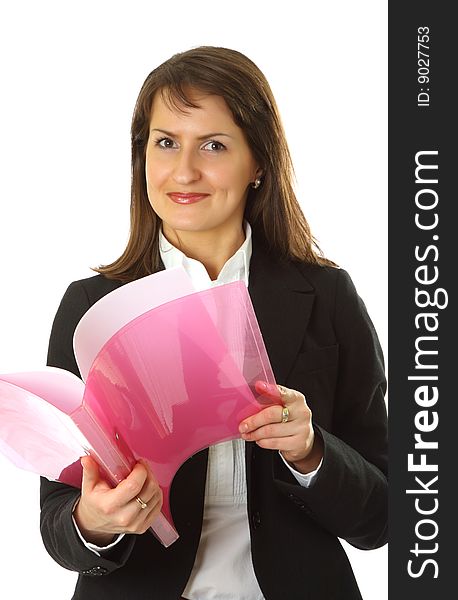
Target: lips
(186,198)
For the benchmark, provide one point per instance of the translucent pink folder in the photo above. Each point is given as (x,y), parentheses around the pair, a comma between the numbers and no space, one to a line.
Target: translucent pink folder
(169,382)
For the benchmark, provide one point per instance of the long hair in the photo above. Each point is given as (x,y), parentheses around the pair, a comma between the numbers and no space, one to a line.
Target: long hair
(272,209)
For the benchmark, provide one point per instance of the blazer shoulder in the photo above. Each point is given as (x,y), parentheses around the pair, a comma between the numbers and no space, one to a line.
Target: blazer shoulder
(93,288)
(332,286)
(78,298)
(324,278)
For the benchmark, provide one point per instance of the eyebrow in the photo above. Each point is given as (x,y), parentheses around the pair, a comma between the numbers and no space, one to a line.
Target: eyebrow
(201,137)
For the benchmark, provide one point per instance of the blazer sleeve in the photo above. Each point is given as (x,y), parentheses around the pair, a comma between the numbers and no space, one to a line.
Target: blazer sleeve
(56,499)
(349,496)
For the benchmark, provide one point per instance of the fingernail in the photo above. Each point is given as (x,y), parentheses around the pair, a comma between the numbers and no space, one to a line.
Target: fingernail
(243,427)
(269,388)
(272,390)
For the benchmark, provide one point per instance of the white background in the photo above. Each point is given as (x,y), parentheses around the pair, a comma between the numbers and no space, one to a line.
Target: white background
(70,75)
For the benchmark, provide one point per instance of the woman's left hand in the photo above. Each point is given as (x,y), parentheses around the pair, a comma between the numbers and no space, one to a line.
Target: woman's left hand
(294,437)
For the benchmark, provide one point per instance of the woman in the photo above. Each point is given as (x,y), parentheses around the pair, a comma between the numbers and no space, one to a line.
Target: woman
(258,517)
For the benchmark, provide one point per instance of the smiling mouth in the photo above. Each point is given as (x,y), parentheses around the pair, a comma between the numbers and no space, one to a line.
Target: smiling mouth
(186,198)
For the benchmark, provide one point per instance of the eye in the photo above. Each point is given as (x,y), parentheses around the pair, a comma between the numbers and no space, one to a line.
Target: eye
(219,145)
(166,145)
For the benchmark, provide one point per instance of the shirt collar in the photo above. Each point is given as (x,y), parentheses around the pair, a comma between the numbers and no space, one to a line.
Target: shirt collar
(235,268)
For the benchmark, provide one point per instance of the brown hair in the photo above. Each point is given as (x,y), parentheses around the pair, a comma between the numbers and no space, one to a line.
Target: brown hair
(272,209)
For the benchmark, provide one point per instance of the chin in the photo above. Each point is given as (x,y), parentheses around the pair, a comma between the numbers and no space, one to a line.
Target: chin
(185,224)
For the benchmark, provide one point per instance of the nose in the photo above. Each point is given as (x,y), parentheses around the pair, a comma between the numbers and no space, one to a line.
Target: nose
(186,168)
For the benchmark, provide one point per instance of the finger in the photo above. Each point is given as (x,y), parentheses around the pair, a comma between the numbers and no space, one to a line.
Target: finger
(153,500)
(91,474)
(294,405)
(132,517)
(276,392)
(273,430)
(155,506)
(289,397)
(134,514)
(280,393)
(142,518)
(271,414)
(284,444)
(268,390)
(131,486)
(150,490)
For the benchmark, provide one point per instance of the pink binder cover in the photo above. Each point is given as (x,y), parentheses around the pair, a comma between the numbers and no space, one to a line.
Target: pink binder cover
(174,380)
(104,318)
(166,385)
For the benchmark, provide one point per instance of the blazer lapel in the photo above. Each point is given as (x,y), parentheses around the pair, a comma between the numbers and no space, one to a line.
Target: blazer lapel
(282,299)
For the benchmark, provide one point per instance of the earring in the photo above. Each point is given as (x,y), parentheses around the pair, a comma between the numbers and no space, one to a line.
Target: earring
(256,183)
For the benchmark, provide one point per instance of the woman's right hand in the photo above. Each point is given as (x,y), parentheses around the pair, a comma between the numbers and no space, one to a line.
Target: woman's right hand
(103,511)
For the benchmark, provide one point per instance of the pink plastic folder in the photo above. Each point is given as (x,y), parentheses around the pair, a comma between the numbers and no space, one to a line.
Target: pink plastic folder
(169,382)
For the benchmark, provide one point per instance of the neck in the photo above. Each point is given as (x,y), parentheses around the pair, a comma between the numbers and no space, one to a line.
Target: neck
(213,251)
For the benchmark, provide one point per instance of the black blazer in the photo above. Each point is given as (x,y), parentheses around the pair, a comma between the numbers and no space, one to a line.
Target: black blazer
(320,341)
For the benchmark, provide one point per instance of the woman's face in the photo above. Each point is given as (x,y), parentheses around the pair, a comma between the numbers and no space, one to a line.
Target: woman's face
(201,152)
